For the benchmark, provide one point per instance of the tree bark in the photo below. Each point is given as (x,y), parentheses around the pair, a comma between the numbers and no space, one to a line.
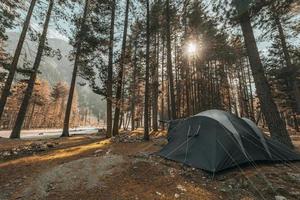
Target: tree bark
(169,62)
(162,85)
(120,74)
(28,93)
(275,123)
(146,104)
(187,89)
(65,132)
(155,85)
(133,89)
(110,72)
(251,92)
(14,65)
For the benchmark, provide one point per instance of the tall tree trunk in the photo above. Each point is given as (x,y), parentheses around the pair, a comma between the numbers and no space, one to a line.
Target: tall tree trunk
(228,89)
(133,89)
(275,123)
(187,89)
(163,85)
(293,85)
(251,92)
(122,113)
(120,74)
(240,91)
(169,62)
(155,85)
(146,104)
(24,106)
(110,71)
(14,65)
(168,102)
(65,132)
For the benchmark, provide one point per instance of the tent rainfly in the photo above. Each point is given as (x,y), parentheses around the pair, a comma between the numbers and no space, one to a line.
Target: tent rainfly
(215,140)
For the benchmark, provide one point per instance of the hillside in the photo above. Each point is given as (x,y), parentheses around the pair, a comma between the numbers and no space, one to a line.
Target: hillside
(51,69)
(54,70)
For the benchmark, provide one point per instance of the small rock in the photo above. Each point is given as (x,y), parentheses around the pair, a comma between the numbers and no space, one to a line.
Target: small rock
(181,188)
(295,193)
(50,145)
(171,172)
(43,147)
(98,151)
(176,195)
(50,187)
(15,152)
(6,153)
(19,197)
(295,177)
(280,198)
(158,193)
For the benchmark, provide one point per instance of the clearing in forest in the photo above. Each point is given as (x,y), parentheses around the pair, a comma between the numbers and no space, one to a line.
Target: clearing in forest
(124,167)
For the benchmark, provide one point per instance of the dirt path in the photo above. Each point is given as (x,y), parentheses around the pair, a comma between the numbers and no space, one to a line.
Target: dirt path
(124,168)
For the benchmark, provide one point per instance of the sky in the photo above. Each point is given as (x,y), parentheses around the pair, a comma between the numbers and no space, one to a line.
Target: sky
(53,33)
(36,22)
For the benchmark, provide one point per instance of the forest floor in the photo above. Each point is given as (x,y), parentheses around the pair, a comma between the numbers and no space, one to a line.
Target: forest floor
(92,167)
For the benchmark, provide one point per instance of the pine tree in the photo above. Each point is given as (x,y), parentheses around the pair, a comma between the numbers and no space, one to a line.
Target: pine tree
(8,16)
(110,71)
(120,74)
(24,106)
(146,104)
(268,106)
(13,67)
(169,60)
(78,44)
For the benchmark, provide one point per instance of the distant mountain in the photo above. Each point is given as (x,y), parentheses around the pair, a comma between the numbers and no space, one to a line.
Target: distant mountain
(55,70)
(51,69)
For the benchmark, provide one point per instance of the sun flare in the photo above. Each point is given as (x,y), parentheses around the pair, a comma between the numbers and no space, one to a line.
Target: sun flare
(191,48)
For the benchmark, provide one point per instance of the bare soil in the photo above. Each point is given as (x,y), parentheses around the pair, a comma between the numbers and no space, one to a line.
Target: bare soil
(91,167)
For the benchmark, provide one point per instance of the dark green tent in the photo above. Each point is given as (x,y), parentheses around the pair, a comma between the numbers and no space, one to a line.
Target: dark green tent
(215,140)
